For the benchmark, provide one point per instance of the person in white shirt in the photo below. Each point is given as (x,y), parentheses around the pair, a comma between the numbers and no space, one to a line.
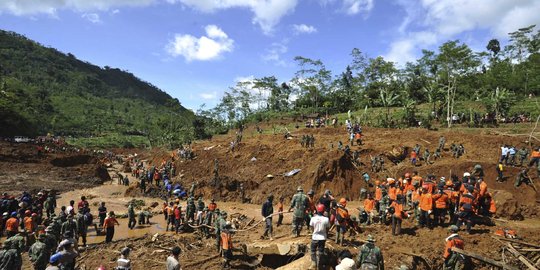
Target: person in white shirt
(172,260)
(345,261)
(320,225)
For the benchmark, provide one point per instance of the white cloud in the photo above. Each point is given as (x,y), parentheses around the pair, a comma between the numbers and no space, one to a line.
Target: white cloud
(353,7)
(304,29)
(115,11)
(428,22)
(30,7)
(209,47)
(275,52)
(267,13)
(208,96)
(92,17)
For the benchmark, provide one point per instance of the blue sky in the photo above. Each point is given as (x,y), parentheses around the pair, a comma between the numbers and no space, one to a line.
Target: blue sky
(196,49)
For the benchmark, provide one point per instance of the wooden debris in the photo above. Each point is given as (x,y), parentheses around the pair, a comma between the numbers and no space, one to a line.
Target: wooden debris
(520,257)
(517,242)
(484,259)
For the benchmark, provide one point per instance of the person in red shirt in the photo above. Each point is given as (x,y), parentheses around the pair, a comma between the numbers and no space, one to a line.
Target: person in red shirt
(280,211)
(414,156)
(177,217)
(83,203)
(108,226)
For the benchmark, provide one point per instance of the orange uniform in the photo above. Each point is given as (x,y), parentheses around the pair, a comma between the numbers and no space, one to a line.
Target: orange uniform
(413,155)
(369,205)
(212,206)
(426,201)
(398,210)
(226,241)
(29,225)
(467,198)
(452,241)
(392,193)
(535,154)
(378,193)
(441,200)
(483,189)
(12,225)
(418,178)
(343,213)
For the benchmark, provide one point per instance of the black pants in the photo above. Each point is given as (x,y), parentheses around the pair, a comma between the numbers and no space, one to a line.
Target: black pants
(465,218)
(317,250)
(424,219)
(132,222)
(83,236)
(109,234)
(279,220)
(396,225)
(440,216)
(101,220)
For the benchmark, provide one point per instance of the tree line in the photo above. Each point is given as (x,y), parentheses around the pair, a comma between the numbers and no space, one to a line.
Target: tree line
(496,77)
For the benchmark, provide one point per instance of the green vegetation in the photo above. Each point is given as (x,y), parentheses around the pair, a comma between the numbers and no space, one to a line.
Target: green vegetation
(45,91)
(453,81)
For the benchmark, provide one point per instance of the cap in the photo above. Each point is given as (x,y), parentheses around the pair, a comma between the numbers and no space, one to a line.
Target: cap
(453,228)
(370,238)
(299,188)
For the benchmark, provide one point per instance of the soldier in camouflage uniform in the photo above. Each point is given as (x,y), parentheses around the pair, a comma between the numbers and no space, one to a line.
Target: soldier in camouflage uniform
(522,155)
(300,203)
(383,205)
(39,253)
(200,209)
(370,256)
(190,209)
(10,256)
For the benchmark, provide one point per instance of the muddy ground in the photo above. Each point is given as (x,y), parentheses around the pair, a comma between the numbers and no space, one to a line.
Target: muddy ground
(22,169)
(322,167)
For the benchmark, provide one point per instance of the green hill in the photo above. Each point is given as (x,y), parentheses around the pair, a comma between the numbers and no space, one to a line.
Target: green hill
(44,91)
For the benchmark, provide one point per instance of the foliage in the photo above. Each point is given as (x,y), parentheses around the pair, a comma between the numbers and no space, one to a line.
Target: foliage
(46,91)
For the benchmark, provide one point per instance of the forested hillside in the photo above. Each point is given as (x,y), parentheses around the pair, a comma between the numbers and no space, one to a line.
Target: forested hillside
(44,91)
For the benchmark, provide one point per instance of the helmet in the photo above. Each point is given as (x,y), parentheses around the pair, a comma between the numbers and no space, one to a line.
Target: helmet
(390,180)
(405,181)
(448,183)
(443,179)
(370,238)
(34,215)
(5,214)
(477,167)
(320,208)
(311,192)
(453,229)
(101,267)
(407,175)
(343,201)
(14,213)
(299,188)
(55,258)
(466,174)
(27,212)
(327,192)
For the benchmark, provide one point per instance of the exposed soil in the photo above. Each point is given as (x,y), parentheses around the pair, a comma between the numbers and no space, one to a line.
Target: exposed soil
(22,169)
(322,168)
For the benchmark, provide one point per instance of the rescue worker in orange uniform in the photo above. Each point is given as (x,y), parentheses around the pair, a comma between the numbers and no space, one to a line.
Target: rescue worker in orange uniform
(451,259)
(12,225)
(482,187)
(426,207)
(227,245)
(369,208)
(466,209)
(342,220)
(441,204)
(398,214)
(417,179)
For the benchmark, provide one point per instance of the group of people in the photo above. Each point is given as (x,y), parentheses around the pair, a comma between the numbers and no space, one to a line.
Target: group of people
(307,141)
(32,224)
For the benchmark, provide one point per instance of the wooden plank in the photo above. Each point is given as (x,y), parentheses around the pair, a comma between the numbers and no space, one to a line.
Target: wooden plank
(522,258)
(517,242)
(529,249)
(484,259)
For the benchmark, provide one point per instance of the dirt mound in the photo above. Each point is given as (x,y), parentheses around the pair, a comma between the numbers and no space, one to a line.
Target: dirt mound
(22,169)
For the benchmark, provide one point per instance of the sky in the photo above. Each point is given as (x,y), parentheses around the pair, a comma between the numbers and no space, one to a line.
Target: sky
(195,49)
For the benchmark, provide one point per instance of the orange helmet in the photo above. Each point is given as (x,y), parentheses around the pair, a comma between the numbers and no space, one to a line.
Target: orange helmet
(449,183)
(342,201)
